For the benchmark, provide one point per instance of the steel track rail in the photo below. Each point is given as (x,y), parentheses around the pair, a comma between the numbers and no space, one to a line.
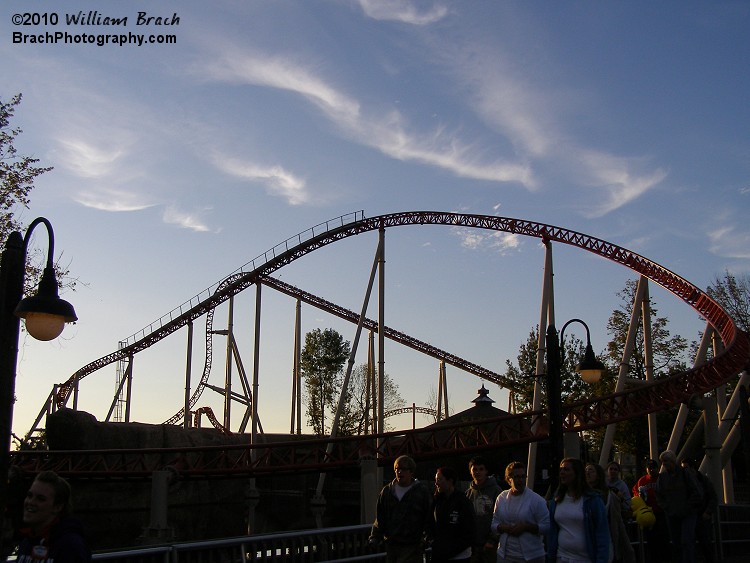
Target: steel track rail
(582,415)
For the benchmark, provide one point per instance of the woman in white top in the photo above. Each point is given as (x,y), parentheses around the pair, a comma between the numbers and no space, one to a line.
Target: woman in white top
(521,519)
(579,532)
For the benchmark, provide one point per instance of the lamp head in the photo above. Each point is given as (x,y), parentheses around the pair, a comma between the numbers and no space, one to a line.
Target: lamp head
(45,313)
(590,368)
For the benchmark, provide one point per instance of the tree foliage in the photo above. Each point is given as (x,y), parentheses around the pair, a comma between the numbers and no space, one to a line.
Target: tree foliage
(668,351)
(524,374)
(321,362)
(17,175)
(358,406)
(17,172)
(733,294)
(322,366)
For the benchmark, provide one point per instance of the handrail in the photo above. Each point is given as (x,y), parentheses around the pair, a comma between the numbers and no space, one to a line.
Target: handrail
(248,266)
(340,544)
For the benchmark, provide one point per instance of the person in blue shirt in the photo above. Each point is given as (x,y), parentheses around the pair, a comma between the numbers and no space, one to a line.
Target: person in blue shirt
(579,530)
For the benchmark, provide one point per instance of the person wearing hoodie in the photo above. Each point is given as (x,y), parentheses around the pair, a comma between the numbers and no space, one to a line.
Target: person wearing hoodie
(50,533)
(482,493)
(403,515)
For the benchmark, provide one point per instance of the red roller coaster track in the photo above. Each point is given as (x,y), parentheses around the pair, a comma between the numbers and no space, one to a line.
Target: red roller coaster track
(311,456)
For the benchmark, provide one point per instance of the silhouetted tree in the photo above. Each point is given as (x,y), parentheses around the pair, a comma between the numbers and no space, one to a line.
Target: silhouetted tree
(17,175)
(669,352)
(321,362)
(358,406)
(733,294)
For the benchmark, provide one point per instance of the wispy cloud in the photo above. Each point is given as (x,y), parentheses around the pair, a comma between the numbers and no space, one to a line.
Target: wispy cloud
(616,178)
(495,241)
(403,11)
(183,219)
(108,199)
(533,117)
(389,133)
(86,160)
(729,240)
(277,180)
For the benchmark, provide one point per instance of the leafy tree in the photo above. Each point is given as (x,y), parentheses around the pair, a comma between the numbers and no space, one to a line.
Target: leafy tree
(17,175)
(358,403)
(321,362)
(668,351)
(668,358)
(523,373)
(733,294)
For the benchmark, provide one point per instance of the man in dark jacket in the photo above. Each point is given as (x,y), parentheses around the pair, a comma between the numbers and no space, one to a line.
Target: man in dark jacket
(452,528)
(679,495)
(51,534)
(482,493)
(403,515)
(706,513)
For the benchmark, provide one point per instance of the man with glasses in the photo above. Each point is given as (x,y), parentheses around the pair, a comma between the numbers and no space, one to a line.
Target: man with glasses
(403,514)
(521,518)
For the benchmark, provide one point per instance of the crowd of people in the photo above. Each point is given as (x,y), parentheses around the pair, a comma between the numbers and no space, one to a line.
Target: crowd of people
(584,520)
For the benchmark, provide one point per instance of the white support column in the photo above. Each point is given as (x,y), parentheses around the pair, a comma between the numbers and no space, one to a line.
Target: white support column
(188,376)
(296,375)
(381,332)
(439,416)
(648,356)
(372,415)
(721,406)
(444,379)
(682,413)
(350,366)
(228,368)
(129,388)
(256,366)
(635,315)
(712,443)
(253,496)
(547,310)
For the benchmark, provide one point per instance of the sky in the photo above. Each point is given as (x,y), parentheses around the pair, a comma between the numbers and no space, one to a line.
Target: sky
(247,122)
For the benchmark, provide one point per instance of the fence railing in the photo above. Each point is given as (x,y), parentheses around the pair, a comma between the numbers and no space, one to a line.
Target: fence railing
(350,543)
(328,544)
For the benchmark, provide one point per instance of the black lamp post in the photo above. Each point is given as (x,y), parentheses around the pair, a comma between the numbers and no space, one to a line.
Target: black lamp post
(45,314)
(590,370)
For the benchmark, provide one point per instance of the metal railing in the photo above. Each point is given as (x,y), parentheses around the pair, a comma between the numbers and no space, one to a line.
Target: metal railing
(249,266)
(350,543)
(341,544)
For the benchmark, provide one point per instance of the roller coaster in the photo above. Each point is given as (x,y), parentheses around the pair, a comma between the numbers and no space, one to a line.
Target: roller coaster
(261,457)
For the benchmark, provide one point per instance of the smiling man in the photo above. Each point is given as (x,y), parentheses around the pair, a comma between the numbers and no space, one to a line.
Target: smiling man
(50,533)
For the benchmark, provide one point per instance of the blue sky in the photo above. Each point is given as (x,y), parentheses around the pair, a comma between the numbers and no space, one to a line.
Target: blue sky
(176,164)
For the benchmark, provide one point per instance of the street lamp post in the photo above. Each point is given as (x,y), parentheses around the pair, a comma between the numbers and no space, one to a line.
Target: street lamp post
(590,370)
(45,315)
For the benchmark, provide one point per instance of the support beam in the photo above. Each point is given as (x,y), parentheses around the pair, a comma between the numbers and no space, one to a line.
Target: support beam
(188,375)
(381,330)
(635,315)
(547,310)
(228,369)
